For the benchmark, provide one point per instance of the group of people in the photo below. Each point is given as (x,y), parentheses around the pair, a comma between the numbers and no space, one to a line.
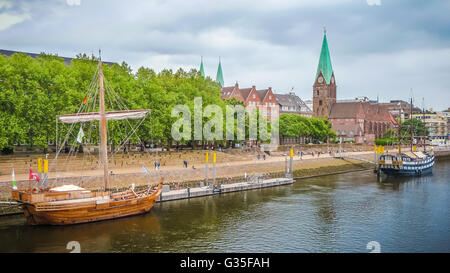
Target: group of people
(300,154)
(258,156)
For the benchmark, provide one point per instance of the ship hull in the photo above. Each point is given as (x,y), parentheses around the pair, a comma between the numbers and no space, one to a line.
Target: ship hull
(402,172)
(85,213)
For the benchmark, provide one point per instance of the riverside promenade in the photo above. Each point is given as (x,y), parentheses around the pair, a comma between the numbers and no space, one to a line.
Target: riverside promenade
(236,167)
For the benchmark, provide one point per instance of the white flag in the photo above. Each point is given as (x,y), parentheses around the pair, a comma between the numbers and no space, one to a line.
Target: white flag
(80,135)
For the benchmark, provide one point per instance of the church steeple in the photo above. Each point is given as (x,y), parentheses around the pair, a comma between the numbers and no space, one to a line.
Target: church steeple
(201,68)
(325,60)
(324,89)
(219,77)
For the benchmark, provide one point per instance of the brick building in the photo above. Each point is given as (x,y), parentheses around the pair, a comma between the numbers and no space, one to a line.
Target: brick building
(360,121)
(264,99)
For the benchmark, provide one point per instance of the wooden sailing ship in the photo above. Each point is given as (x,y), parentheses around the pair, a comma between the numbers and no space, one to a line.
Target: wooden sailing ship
(70,204)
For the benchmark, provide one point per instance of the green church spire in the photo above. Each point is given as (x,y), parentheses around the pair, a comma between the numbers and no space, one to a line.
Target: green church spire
(219,77)
(201,68)
(325,61)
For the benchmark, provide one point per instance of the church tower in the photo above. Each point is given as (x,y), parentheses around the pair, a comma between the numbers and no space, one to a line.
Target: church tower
(219,76)
(324,88)
(202,71)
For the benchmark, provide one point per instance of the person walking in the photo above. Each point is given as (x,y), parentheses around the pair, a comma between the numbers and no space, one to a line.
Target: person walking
(185,164)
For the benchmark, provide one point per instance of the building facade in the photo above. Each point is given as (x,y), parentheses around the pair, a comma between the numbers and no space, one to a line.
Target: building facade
(292,104)
(263,100)
(436,124)
(400,109)
(360,121)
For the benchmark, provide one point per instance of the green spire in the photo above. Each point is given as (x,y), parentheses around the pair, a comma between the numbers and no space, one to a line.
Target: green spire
(201,68)
(325,61)
(219,77)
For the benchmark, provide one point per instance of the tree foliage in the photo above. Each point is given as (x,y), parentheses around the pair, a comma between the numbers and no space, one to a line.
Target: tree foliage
(33,91)
(314,129)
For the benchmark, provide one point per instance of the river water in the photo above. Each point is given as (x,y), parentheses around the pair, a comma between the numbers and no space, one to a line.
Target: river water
(336,213)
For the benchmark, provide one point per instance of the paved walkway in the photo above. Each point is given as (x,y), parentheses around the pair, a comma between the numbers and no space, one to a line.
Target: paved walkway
(269,159)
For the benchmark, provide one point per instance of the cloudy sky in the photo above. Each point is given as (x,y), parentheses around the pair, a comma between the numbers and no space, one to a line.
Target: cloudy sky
(383,47)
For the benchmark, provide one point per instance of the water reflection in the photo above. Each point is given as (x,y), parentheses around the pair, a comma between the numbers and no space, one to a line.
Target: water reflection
(338,213)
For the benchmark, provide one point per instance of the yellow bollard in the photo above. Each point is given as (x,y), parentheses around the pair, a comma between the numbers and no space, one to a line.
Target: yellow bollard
(45,165)
(214,157)
(39,165)
(206,157)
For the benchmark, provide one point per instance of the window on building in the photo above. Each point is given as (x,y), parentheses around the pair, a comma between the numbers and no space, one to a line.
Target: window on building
(317,92)
(254,96)
(320,102)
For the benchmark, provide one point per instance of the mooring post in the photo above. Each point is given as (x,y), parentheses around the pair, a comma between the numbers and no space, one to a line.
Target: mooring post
(291,169)
(45,172)
(40,172)
(206,168)
(214,168)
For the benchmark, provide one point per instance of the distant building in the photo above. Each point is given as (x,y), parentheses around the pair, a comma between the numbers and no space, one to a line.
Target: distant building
(219,76)
(360,99)
(292,104)
(309,103)
(446,113)
(360,120)
(67,60)
(264,100)
(400,109)
(436,123)
(202,71)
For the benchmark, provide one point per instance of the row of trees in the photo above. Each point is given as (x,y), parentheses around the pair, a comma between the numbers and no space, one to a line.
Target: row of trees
(33,91)
(312,129)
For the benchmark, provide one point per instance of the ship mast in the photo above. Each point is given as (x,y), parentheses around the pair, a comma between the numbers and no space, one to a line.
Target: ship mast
(412,123)
(103,138)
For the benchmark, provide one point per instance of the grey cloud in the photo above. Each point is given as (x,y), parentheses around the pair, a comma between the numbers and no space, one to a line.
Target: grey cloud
(383,49)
